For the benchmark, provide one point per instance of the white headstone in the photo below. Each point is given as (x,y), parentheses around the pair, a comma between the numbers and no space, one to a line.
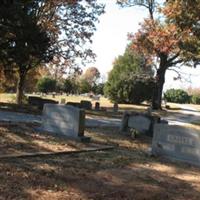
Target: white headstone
(63,119)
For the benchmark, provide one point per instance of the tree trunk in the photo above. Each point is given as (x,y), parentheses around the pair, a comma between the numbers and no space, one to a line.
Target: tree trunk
(20,87)
(160,80)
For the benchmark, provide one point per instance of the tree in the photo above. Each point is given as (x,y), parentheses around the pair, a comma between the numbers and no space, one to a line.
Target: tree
(149,4)
(68,86)
(91,75)
(98,88)
(84,86)
(187,22)
(35,32)
(165,46)
(46,85)
(23,43)
(129,82)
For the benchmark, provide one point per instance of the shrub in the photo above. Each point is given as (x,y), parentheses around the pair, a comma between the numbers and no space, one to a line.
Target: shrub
(195,99)
(177,96)
(130,80)
(130,89)
(46,85)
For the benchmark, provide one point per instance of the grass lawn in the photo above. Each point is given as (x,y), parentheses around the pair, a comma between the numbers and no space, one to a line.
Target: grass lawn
(127,172)
(7,102)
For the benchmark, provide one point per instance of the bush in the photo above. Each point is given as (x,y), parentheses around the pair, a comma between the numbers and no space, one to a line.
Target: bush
(46,85)
(195,99)
(130,80)
(84,86)
(130,89)
(177,96)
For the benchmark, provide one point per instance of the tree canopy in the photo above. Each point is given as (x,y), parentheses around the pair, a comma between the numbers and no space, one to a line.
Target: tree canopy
(168,41)
(43,31)
(130,80)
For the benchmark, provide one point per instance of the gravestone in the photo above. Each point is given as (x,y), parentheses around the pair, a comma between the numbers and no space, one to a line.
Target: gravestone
(86,105)
(141,122)
(97,106)
(75,104)
(62,101)
(115,107)
(177,142)
(64,120)
(39,102)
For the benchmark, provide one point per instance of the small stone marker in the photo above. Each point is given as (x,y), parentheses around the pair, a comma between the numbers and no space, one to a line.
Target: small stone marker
(64,119)
(177,142)
(63,101)
(115,107)
(97,106)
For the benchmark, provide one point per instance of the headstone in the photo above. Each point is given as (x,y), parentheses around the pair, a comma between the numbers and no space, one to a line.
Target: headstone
(64,120)
(177,142)
(75,104)
(97,106)
(39,102)
(86,105)
(141,122)
(63,101)
(149,111)
(115,107)
(53,95)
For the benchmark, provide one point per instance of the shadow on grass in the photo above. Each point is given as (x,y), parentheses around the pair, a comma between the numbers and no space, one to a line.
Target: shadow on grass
(12,107)
(125,173)
(90,176)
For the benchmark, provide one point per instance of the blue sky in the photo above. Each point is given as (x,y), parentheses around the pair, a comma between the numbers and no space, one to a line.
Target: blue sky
(110,41)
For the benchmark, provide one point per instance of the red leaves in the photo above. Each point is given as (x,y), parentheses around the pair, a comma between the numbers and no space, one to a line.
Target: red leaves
(156,38)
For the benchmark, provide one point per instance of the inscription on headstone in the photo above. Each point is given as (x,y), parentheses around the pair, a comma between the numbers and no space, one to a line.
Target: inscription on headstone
(64,119)
(177,142)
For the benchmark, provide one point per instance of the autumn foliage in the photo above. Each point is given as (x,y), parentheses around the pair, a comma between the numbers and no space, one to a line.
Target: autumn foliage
(169,40)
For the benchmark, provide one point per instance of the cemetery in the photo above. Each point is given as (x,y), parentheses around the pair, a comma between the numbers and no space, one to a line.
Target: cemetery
(99,100)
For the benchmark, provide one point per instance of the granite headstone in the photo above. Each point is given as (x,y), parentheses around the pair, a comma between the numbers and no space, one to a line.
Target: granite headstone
(177,142)
(139,121)
(64,119)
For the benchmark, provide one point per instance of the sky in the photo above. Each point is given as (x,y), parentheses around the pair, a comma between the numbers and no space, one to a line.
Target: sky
(110,41)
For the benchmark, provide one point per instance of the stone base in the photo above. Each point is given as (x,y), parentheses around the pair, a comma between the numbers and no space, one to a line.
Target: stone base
(78,138)
(84,139)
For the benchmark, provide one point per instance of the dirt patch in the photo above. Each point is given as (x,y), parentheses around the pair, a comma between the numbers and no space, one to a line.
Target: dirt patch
(19,138)
(124,173)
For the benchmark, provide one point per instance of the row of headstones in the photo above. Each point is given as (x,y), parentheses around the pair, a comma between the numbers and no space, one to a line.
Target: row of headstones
(39,102)
(169,141)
